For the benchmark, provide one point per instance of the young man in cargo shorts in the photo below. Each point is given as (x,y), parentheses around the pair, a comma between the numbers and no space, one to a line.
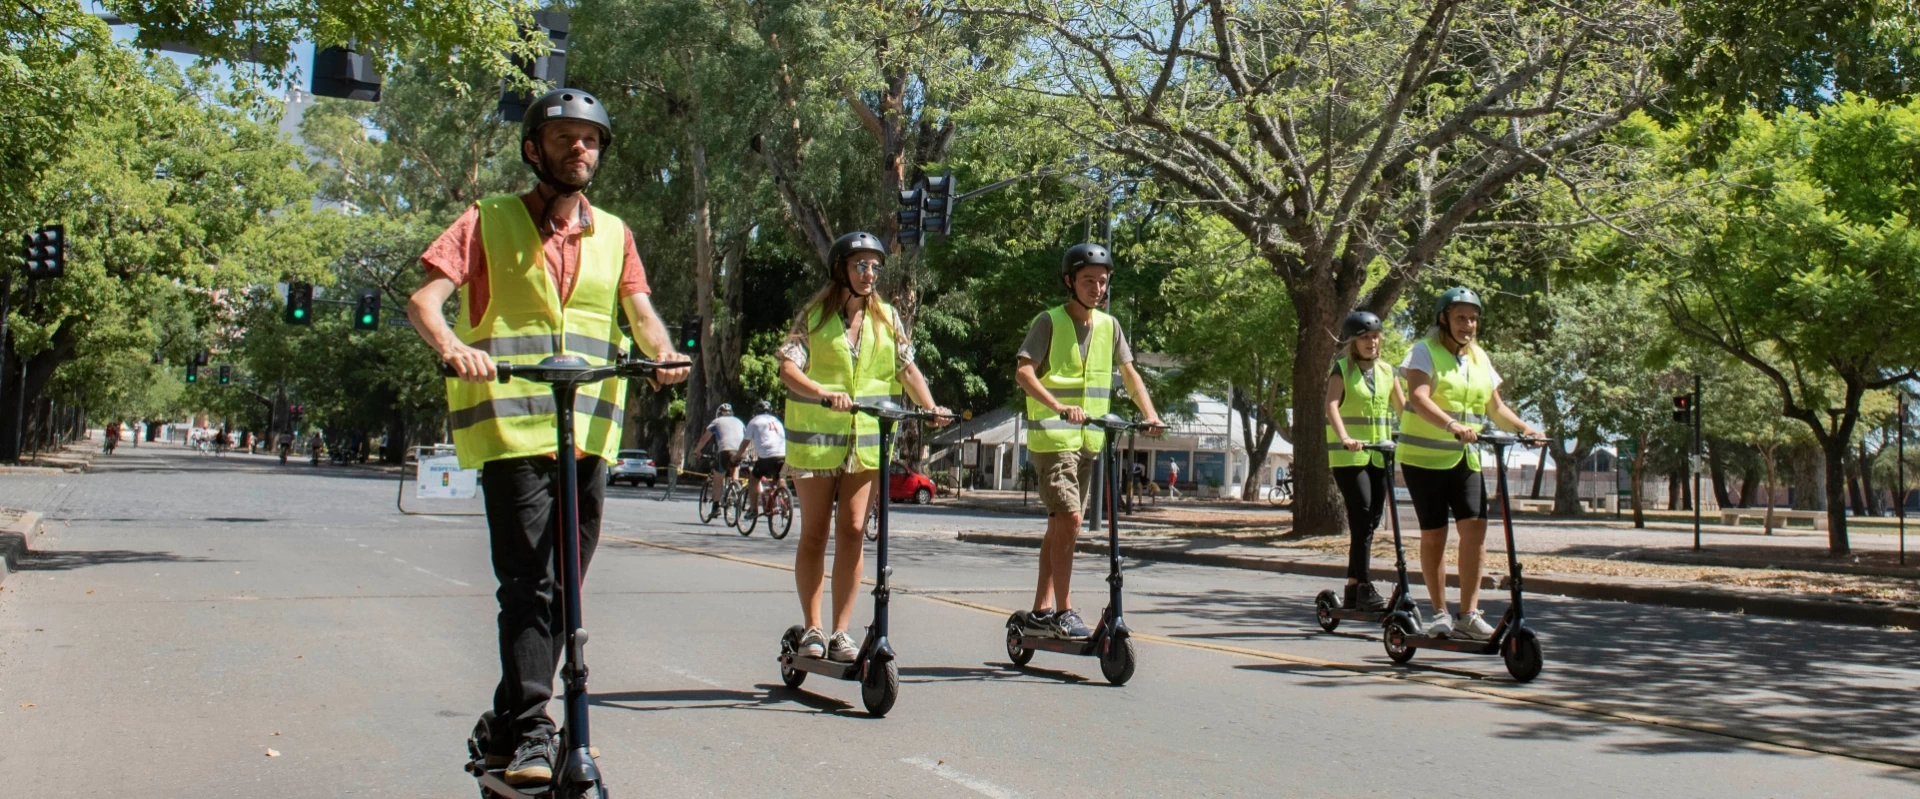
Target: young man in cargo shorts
(1067,368)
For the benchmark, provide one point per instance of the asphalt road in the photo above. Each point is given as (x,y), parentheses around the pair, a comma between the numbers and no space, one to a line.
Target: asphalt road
(193,613)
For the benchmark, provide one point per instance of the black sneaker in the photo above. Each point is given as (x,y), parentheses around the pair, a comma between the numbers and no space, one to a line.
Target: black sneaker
(1036,623)
(1067,624)
(1370,600)
(532,763)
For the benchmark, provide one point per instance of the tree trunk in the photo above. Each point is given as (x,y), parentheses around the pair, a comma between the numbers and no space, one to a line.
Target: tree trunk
(1718,466)
(1749,481)
(1772,480)
(1834,448)
(1317,508)
(1808,491)
(1673,491)
(1566,479)
(1874,507)
(1635,479)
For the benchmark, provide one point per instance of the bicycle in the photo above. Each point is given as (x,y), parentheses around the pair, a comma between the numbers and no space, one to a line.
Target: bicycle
(733,503)
(776,506)
(1282,494)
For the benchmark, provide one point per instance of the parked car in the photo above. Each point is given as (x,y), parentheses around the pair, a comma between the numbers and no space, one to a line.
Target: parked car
(633,466)
(906,484)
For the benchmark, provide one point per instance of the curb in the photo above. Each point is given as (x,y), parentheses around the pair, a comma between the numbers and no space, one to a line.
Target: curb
(1663,595)
(18,528)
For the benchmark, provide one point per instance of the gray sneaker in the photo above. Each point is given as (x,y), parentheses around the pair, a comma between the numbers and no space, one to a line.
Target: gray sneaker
(841,648)
(1473,627)
(1036,624)
(813,644)
(1442,625)
(1067,624)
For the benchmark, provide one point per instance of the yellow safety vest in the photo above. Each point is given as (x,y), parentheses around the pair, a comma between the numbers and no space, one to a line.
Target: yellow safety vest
(1367,414)
(818,437)
(524,322)
(1086,384)
(1463,393)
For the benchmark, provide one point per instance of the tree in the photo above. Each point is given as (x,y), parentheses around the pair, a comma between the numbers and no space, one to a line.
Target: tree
(1336,136)
(1802,263)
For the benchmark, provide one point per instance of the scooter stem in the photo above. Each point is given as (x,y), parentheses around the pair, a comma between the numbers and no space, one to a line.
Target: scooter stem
(1109,466)
(885,488)
(575,736)
(1506,521)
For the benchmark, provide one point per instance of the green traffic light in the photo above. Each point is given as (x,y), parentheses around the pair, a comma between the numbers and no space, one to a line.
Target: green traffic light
(299,313)
(366,319)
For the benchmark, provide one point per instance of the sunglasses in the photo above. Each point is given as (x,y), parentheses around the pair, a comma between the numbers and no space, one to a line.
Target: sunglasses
(866,267)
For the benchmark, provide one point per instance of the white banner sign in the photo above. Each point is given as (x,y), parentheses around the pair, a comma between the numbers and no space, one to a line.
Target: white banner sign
(440,477)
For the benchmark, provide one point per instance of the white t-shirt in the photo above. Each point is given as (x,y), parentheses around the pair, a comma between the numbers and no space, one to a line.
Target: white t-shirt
(727,432)
(1419,359)
(769,437)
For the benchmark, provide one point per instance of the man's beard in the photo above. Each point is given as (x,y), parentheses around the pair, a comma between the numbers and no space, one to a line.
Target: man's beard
(560,184)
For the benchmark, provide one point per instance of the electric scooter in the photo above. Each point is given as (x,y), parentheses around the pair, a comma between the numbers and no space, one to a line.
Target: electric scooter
(1326,606)
(1512,639)
(575,776)
(1111,641)
(874,666)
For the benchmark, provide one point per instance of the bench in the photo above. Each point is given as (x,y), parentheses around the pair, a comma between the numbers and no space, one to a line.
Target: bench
(1780,517)
(1526,505)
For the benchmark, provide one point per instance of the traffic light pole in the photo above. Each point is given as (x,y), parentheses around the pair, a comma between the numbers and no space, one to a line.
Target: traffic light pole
(1900,501)
(12,454)
(1695,464)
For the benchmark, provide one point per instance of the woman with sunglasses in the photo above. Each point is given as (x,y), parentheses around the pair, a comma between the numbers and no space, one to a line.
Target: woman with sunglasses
(846,346)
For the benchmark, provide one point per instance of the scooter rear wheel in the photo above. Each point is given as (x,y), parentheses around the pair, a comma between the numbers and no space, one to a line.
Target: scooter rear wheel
(790,644)
(1522,653)
(1394,638)
(880,688)
(1323,607)
(1117,660)
(1020,655)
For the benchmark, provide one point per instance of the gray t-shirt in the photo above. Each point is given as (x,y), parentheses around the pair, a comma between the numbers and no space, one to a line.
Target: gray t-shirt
(1039,342)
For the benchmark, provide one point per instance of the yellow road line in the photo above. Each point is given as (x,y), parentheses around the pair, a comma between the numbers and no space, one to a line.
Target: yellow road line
(1447,683)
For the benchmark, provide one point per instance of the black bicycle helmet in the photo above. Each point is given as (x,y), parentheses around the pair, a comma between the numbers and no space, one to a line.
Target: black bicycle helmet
(725,409)
(857,241)
(762,407)
(1080,256)
(1460,295)
(561,105)
(1357,324)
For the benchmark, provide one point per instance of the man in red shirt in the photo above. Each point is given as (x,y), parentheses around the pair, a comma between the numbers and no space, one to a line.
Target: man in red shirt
(489,255)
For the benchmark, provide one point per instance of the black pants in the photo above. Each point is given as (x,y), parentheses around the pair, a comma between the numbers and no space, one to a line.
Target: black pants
(1365,490)
(1437,492)
(523,518)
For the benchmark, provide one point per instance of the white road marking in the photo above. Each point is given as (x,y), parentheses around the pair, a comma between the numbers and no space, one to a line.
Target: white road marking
(961,778)
(442,577)
(689,675)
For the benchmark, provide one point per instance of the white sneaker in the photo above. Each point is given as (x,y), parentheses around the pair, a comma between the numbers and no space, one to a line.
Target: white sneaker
(1442,624)
(813,644)
(841,648)
(1473,627)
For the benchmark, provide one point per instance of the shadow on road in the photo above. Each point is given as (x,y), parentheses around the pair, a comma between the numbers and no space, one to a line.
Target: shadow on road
(67,560)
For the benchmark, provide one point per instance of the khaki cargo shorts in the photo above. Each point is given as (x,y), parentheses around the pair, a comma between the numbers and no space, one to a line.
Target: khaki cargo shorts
(1064,479)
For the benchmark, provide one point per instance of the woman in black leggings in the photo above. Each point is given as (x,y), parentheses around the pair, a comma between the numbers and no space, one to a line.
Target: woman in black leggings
(1362,395)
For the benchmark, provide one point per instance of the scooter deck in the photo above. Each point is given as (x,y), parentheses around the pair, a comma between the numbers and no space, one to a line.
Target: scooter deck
(822,666)
(494,782)
(1472,647)
(1359,615)
(1066,646)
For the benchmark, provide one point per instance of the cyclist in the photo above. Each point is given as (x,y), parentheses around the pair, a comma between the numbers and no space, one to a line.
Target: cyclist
(539,275)
(1362,392)
(727,434)
(1452,392)
(769,441)
(845,346)
(1067,366)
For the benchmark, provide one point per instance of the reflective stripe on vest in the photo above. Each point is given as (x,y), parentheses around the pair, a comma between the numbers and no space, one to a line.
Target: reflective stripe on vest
(1365,412)
(819,438)
(525,322)
(1087,384)
(1464,394)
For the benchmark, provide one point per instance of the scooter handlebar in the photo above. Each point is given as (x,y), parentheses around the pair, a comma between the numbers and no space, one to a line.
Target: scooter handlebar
(1388,446)
(888,409)
(548,372)
(1502,438)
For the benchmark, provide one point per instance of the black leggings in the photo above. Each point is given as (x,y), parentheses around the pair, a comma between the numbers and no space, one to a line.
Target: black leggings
(1365,489)
(1437,492)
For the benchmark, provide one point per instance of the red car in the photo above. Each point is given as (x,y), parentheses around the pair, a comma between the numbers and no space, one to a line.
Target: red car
(906,484)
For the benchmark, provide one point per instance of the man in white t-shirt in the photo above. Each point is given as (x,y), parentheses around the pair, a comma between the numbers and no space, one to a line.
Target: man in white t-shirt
(768,437)
(726,432)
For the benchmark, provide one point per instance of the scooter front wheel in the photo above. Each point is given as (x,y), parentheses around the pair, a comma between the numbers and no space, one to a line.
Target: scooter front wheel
(1117,660)
(1522,653)
(1394,638)
(880,688)
(1323,607)
(790,644)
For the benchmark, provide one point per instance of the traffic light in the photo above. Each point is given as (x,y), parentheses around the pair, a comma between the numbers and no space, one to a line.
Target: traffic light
(201,357)
(342,72)
(46,252)
(550,68)
(936,205)
(193,373)
(299,303)
(1683,408)
(366,310)
(226,374)
(690,334)
(909,216)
